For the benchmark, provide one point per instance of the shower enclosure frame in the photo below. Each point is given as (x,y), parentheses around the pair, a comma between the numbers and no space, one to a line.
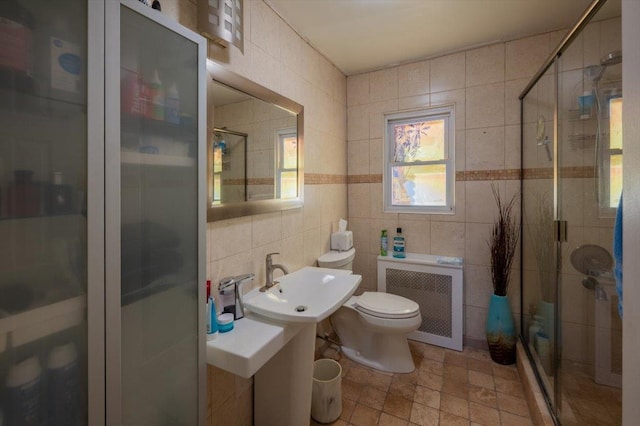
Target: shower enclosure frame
(560,227)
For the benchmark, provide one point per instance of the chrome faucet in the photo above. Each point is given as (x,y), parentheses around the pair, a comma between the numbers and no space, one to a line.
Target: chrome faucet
(236,282)
(270,268)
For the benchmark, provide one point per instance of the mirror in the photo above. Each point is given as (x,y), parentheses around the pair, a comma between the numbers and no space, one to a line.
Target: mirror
(254,144)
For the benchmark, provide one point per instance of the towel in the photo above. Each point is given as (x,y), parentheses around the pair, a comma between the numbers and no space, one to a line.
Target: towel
(617,254)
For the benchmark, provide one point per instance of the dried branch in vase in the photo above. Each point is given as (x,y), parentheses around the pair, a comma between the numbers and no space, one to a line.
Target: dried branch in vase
(503,242)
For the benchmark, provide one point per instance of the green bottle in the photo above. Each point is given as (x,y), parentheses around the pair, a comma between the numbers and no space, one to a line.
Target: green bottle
(384,243)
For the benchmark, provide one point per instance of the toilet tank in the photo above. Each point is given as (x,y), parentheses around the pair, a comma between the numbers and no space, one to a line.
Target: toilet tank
(338,259)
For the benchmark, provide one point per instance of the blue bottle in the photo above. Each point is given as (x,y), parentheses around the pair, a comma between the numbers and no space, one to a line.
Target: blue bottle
(212,315)
(398,245)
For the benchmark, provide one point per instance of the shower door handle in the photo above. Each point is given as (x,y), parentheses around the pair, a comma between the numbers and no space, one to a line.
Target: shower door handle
(560,227)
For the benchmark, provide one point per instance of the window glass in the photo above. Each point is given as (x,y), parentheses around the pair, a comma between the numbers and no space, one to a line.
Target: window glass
(420,172)
(419,185)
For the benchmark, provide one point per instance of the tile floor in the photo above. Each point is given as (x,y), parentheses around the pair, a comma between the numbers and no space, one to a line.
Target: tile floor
(447,388)
(586,403)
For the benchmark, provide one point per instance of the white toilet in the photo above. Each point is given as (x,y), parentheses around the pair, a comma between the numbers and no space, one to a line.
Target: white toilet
(373,327)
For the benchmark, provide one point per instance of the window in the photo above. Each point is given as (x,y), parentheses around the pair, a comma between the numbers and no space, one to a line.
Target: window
(287,164)
(419,157)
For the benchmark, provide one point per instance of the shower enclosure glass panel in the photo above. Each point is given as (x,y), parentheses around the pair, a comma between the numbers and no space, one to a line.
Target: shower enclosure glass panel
(539,243)
(572,151)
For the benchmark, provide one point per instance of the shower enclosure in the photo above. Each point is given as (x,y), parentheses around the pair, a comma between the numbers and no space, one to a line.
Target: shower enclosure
(571,187)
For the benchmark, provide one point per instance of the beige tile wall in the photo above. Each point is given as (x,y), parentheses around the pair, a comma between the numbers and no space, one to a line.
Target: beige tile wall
(277,58)
(484,84)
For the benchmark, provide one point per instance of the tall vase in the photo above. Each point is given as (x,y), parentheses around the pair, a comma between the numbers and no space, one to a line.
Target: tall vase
(501,331)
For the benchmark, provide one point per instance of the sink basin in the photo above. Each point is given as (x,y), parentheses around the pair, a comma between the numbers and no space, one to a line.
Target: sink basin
(307,295)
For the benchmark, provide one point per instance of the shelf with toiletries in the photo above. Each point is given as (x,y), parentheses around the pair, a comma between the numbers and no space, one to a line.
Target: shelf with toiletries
(184,129)
(37,322)
(14,104)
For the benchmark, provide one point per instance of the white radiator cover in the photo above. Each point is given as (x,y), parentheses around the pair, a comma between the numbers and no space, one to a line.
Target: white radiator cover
(435,286)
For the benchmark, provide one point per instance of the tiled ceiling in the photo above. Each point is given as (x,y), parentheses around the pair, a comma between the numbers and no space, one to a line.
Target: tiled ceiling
(363,35)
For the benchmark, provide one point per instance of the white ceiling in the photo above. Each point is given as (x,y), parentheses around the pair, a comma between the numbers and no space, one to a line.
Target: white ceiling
(363,35)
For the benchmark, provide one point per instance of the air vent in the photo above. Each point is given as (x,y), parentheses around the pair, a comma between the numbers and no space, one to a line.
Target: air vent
(436,288)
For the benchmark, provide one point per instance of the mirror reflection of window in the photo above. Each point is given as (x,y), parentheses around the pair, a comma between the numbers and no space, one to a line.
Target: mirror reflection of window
(287,164)
(217,173)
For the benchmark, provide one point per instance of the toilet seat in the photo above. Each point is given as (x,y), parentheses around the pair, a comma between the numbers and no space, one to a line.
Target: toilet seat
(385,305)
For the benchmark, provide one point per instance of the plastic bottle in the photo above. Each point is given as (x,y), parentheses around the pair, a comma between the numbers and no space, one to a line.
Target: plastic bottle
(16,54)
(384,243)
(23,394)
(63,386)
(172,105)
(59,63)
(398,244)
(534,329)
(212,315)
(156,96)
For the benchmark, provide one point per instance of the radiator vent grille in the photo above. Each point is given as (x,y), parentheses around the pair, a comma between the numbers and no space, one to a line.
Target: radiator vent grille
(436,287)
(431,291)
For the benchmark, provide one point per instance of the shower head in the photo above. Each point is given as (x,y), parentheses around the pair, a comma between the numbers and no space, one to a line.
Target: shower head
(611,58)
(595,72)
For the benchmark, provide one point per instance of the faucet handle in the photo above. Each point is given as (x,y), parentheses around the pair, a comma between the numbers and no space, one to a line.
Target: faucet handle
(268,259)
(269,255)
(226,282)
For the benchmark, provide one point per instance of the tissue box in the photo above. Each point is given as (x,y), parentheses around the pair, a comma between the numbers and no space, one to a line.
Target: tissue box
(342,241)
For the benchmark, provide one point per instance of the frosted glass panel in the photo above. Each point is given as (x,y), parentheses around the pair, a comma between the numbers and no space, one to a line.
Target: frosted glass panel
(159,234)
(43,221)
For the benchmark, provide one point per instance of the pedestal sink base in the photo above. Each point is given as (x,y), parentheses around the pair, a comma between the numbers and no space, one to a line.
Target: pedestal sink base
(283,385)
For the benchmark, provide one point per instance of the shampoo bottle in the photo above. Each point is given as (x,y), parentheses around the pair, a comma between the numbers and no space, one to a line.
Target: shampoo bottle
(22,393)
(212,316)
(157,97)
(398,244)
(63,385)
(172,105)
(384,243)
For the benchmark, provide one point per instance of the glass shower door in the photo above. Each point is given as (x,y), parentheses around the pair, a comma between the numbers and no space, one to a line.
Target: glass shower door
(570,193)
(589,181)
(540,259)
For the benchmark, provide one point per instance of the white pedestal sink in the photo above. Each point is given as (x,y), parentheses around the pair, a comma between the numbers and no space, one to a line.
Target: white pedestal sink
(307,295)
(283,384)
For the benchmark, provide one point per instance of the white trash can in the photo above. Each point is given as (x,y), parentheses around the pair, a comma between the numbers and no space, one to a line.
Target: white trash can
(326,396)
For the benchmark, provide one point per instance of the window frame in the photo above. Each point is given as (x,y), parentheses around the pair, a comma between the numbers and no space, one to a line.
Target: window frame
(446,112)
(281,135)
(606,209)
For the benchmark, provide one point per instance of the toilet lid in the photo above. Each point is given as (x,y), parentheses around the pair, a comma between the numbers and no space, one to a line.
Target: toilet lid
(337,256)
(387,305)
